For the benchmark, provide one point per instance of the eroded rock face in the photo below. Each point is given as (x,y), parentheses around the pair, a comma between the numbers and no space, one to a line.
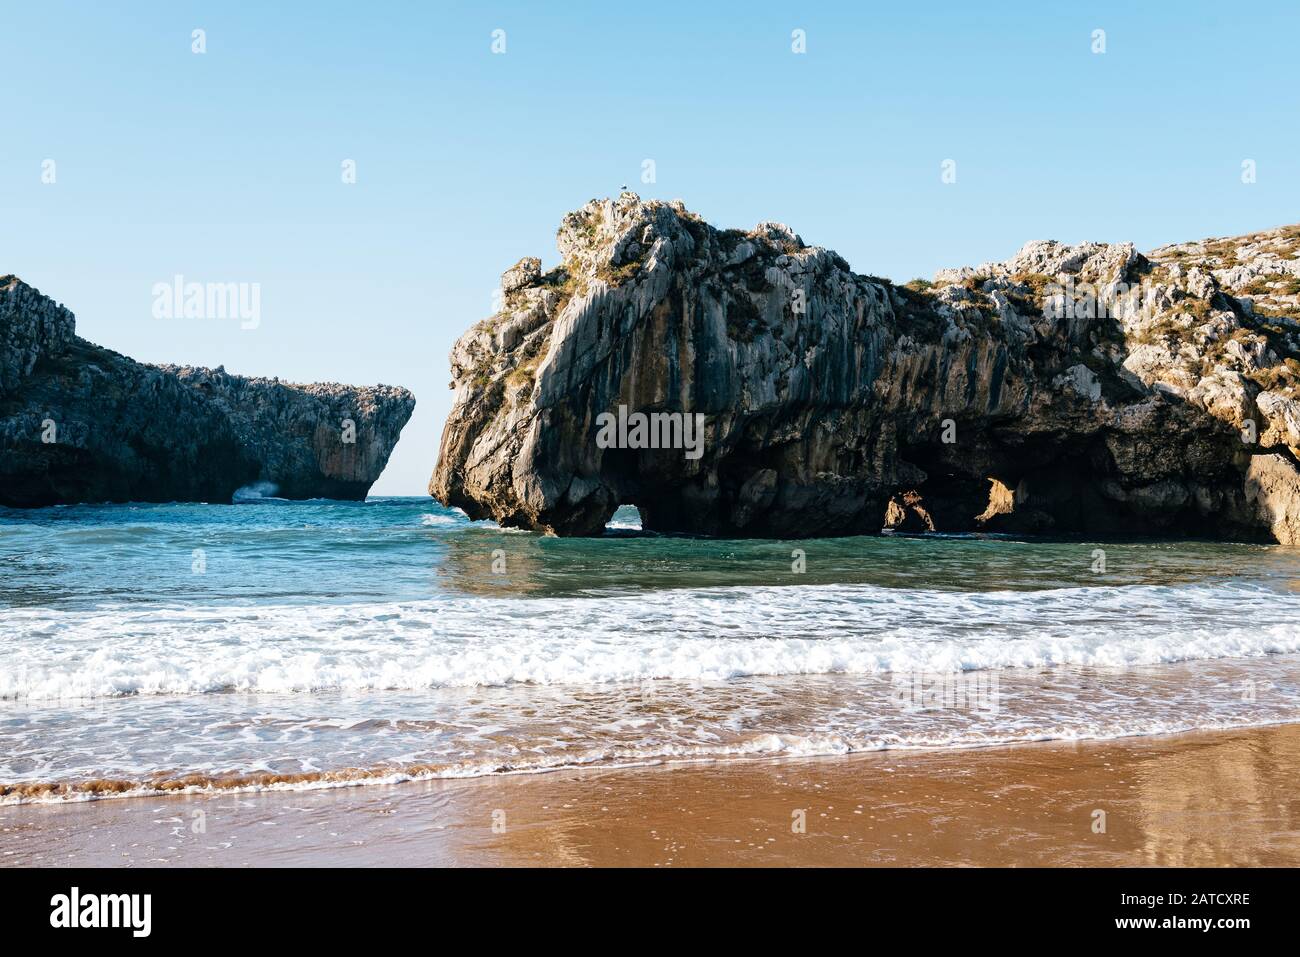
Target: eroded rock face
(1071,390)
(79,423)
(31,327)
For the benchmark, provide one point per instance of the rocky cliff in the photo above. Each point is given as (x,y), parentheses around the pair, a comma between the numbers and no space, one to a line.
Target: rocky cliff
(1070,390)
(79,423)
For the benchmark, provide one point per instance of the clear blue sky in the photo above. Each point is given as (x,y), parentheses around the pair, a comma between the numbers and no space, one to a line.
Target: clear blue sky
(226,166)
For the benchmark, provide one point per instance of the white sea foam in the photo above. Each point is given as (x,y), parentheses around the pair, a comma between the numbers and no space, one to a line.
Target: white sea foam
(688,634)
(256,492)
(458,519)
(433,519)
(141,744)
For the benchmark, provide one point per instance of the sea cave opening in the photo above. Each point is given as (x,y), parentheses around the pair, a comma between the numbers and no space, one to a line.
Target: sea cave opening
(626,518)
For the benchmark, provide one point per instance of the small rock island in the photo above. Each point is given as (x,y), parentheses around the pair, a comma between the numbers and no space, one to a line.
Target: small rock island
(80,423)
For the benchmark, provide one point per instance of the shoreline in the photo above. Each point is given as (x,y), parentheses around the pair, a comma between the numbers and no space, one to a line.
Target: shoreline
(199,785)
(1201,798)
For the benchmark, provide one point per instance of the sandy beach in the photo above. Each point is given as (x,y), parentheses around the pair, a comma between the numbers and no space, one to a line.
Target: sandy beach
(1223,798)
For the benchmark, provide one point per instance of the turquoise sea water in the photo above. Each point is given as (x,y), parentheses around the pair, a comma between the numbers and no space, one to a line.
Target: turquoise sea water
(312,643)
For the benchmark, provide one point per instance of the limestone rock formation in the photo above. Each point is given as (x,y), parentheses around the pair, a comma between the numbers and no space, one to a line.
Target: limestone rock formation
(1071,390)
(79,423)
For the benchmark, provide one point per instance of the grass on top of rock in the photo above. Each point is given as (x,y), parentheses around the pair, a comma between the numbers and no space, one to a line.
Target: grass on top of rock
(617,275)
(731,238)
(589,224)
(915,310)
(1224,250)
(700,231)
(1284,376)
(481,375)
(1035,301)
(524,374)
(980,301)
(1199,309)
(568,281)
(1274,284)
(1160,331)
(1150,272)
(1036,281)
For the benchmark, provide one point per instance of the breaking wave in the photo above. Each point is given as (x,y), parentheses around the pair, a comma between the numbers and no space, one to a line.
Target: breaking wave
(689,634)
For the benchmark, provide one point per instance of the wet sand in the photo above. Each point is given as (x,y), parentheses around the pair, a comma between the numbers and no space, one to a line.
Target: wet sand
(1217,798)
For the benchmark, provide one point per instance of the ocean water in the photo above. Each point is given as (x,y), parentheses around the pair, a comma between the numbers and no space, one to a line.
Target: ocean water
(313,644)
